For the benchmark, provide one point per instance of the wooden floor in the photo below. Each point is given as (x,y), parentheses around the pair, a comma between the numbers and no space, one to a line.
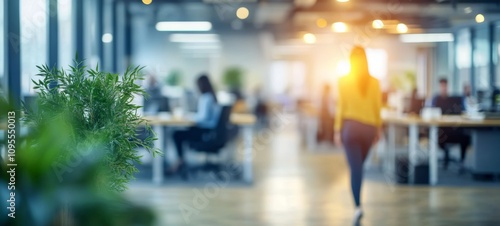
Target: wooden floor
(296,187)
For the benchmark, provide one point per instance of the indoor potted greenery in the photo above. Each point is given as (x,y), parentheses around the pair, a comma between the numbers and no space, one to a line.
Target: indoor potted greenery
(233,79)
(174,78)
(95,102)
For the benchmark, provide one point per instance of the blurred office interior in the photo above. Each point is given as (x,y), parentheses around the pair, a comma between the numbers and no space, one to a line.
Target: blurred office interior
(275,64)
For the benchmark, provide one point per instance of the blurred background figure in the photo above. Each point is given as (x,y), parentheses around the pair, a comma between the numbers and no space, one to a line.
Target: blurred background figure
(470,102)
(153,95)
(450,105)
(358,121)
(327,114)
(206,119)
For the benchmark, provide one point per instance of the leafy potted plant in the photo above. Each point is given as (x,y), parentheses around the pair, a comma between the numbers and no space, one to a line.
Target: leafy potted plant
(174,78)
(233,78)
(95,102)
(43,196)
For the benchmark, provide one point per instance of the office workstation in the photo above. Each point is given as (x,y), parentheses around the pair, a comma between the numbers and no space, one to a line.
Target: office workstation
(278,112)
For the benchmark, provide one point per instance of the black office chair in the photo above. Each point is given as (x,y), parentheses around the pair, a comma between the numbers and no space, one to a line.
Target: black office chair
(213,142)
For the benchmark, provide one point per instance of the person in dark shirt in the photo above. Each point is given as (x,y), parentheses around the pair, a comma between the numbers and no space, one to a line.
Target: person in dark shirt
(450,135)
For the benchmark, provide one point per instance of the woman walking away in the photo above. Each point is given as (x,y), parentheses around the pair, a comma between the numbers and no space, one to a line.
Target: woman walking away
(358,122)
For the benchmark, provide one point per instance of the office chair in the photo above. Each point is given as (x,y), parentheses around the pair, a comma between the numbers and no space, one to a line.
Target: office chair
(212,144)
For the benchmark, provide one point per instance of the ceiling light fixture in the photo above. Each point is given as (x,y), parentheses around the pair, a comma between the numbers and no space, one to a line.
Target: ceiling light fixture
(339,27)
(107,38)
(429,37)
(467,10)
(479,18)
(377,24)
(309,38)
(321,23)
(147,2)
(194,38)
(184,26)
(342,0)
(242,13)
(402,28)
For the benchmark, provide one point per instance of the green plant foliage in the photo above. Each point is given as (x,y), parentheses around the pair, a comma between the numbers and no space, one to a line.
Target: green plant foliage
(174,78)
(96,105)
(233,78)
(405,82)
(43,195)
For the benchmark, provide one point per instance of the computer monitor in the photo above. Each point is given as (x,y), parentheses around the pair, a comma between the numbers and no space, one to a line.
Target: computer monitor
(453,105)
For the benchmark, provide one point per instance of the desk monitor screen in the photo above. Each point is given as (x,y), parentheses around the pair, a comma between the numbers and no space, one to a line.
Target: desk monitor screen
(450,105)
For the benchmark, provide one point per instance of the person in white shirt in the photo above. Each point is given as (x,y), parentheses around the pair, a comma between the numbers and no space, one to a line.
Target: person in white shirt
(206,119)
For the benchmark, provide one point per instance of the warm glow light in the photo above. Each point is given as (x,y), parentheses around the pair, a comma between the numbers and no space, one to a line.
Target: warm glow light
(342,0)
(321,23)
(309,38)
(402,28)
(147,2)
(107,38)
(184,26)
(339,27)
(242,13)
(378,24)
(479,18)
(343,68)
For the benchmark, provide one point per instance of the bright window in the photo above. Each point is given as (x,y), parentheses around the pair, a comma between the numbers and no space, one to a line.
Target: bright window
(66,50)
(33,41)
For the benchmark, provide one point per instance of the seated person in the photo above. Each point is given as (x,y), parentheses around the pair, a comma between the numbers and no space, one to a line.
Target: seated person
(206,120)
(450,135)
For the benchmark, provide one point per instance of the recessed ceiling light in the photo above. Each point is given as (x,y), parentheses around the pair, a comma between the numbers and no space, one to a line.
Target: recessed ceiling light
(321,23)
(378,24)
(402,28)
(309,38)
(147,2)
(479,18)
(184,26)
(107,38)
(242,13)
(339,27)
(342,0)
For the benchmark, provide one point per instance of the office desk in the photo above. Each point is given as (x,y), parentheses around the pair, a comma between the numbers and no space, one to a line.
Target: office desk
(413,123)
(246,121)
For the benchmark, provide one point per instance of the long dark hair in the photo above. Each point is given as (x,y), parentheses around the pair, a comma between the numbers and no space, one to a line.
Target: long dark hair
(359,68)
(205,86)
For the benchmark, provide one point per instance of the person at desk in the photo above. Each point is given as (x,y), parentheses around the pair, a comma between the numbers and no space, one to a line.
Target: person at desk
(450,135)
(358,121)
(206,120)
